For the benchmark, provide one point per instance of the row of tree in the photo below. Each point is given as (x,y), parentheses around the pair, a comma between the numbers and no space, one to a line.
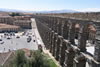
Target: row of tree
(15,14)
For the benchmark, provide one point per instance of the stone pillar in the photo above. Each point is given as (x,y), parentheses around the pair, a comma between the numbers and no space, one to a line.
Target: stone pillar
(83,37)
(51,46)
(63,48)
(71,32)
(47,21)
(51,24)
(65,30)
(62,25)
(49,39)
(58,47)
(69,56)
(97,44)
(55,24)
(43,32)
(59,25)
(54,42)
(79,60)
(46,39)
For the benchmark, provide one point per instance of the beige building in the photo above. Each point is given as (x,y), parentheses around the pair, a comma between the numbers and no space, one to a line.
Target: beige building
(26,24)
(9,28)
(6,19)
(8,23)
(22,17)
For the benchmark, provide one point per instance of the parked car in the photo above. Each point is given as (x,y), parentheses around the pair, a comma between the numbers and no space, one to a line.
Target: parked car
(2,42)
(12,34)
(8,37)
(29,39)
(0,39)
(18,37)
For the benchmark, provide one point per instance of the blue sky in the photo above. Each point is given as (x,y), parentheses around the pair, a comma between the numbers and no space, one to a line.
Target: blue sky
(41,5)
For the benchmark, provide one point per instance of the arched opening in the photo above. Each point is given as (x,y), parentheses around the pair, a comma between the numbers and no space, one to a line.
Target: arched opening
(91,35)
(77,28)
(91,39)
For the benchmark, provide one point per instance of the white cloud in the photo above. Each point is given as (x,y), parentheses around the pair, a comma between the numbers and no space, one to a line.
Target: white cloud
(89,10)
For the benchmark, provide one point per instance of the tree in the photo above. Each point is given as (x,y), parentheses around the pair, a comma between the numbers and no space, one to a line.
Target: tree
(37,59)
(19,59)
(15,14)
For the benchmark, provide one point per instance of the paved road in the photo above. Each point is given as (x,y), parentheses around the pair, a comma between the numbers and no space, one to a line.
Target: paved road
(36,33)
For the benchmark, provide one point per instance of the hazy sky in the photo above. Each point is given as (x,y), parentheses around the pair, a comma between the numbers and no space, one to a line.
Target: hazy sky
(40,5)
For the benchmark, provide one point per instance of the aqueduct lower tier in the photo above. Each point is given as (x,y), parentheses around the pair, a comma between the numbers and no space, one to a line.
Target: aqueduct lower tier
(69,40)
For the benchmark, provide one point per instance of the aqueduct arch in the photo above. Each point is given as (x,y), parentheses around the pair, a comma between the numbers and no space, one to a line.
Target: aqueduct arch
(61,40)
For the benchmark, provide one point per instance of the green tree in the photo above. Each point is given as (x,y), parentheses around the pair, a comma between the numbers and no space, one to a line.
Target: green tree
(15,14)
(40,59)
(37,59)
(19,59)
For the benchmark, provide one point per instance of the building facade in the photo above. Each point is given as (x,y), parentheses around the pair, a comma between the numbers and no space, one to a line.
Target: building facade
(25,24)
(6,19)
(9,28)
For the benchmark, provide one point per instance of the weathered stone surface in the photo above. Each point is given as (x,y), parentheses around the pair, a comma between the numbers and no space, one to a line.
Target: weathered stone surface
(97,45)
(59,34)
(58,47)
(71,32)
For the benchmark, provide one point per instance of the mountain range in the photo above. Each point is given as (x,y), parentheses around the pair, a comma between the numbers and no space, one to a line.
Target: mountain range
(54,11)
(57,11)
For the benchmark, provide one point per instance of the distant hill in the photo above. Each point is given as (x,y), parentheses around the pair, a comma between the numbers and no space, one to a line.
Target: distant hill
(58,11)
(54,11)
(10,10)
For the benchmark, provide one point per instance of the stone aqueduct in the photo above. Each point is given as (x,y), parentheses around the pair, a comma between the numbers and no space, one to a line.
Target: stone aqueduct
(59,34)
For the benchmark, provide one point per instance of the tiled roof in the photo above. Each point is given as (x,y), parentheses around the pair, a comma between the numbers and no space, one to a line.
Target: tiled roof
(4,57)
(3,26)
